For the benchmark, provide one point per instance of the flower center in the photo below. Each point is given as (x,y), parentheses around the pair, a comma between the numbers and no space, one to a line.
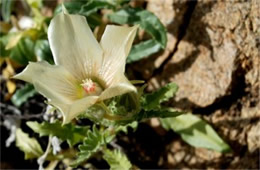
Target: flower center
(90,87)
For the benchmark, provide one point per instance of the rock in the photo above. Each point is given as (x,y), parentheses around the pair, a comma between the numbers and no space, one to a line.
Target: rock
(218,37)
(253,138)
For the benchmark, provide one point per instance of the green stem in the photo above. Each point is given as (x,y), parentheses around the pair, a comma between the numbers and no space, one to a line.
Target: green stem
(108,115)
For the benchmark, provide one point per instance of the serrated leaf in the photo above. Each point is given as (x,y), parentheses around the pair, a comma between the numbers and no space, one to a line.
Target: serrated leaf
(23,52)
(43,51)
(196,132)
(29,146)
(73,134)
(133,125)
(160,113)
(23,94)
(117,160)
(91,144)
(153,100)
(157,113)
(147,20)
(93,6)
(143,50)
(6,7)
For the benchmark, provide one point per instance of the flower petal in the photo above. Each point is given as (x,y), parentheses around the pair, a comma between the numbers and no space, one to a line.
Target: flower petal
(120,86)
(71,111)
(116,43)
(74,46)
(54,82)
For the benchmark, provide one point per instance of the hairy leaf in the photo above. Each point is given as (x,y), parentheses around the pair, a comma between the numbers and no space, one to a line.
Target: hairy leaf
(195,132)
(117,160)
(71,133)
(143,115)
(23,94)
(142,50)
(91,144)
(133,125)
(160,113)
(152,101)
(29,146)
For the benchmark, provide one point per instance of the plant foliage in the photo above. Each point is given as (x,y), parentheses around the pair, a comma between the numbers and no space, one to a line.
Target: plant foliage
(147,21)
(153,100)
(29,146)
(71,133)
(23,94)
(117,160)
(195,132)
(91,144)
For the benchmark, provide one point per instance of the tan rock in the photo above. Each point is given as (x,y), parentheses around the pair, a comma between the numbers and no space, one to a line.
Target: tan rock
(217,37)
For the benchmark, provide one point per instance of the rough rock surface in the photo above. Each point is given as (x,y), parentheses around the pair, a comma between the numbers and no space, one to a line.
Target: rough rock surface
(217,38)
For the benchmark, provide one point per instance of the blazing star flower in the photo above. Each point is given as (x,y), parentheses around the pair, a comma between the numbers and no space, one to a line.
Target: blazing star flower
(86,72)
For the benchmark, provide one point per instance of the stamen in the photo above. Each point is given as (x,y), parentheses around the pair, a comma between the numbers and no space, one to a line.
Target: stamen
(88,85)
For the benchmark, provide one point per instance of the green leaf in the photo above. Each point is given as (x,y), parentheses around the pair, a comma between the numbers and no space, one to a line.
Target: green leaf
(6,7)
(94,20)
(29,146)
(72,7)
(118,2)
(156,113)
(72,133)
(147,20)
(196,132)
(162,113)
(117,160)
(23,52)
(77,7)
(133,125)
(152,101)
(91,144)
(3,42)
(150,23)
(93,6)
(43,51)
(23,94)
(142,50)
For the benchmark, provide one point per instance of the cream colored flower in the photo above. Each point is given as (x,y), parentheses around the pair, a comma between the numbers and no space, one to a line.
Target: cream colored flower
(86,72)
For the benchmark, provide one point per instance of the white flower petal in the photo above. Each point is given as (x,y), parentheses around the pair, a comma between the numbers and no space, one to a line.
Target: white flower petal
(74,46)
(54,82)
(120,86)
(70,111)
(116,43)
